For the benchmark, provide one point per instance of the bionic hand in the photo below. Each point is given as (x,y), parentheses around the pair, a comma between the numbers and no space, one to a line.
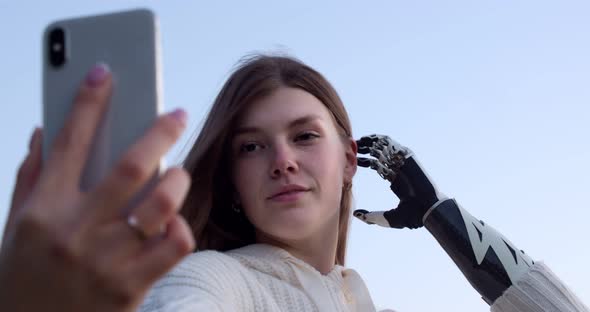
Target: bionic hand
(490,262)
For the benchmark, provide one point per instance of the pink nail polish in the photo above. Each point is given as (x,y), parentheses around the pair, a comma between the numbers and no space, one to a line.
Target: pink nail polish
(97,74)
(179,114)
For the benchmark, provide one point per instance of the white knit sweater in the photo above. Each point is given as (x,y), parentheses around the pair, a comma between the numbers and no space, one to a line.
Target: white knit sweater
(265,278)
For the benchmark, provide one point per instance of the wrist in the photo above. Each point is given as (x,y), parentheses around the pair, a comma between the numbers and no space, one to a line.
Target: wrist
(433,207)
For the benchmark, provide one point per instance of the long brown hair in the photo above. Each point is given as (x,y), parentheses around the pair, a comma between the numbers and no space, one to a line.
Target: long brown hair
(208,206)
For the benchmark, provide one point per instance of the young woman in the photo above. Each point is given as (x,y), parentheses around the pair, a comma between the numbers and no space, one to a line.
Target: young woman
(272,172)
(270,201)
(268,208)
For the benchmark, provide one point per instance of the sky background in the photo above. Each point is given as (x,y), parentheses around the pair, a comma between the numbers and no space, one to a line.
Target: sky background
(492,96)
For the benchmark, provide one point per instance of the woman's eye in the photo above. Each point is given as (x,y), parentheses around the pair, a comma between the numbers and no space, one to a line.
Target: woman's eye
(307,136)
(249,147)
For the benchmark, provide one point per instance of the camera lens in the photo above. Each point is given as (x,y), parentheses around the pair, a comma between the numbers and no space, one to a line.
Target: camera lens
(57,47)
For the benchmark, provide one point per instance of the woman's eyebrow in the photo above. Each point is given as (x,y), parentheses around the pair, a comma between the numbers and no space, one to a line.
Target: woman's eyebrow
(297,122)
(303,120)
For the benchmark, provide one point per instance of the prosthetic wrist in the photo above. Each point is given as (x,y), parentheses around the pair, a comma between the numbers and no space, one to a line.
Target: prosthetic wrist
(489,261)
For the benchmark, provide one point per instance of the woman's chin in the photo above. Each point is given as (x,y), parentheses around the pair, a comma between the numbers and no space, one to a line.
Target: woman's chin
(291,226)
(293,222)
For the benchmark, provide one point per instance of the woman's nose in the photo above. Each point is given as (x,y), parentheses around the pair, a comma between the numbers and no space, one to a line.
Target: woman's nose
(284,161)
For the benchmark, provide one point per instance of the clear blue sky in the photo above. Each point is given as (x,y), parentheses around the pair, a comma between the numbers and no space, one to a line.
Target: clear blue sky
(492,96)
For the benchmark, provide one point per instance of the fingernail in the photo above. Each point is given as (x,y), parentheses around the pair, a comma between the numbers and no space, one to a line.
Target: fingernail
(180,115)
(97,75)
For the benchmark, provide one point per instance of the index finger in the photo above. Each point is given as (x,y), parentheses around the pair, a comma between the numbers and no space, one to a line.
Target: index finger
(365,143)
(70,149)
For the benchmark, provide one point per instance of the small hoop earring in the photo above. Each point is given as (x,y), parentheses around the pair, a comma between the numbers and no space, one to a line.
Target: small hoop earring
(236,208)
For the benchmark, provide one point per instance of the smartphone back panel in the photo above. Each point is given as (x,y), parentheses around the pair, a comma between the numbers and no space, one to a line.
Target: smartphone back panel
(127,42)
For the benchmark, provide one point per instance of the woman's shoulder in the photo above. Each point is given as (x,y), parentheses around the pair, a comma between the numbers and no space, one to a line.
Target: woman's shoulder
(202,279)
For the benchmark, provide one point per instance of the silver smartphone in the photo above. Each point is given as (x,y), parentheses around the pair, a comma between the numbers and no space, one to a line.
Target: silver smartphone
(128,43)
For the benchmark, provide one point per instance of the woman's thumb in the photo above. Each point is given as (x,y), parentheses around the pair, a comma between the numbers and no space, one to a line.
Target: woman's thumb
(372,217)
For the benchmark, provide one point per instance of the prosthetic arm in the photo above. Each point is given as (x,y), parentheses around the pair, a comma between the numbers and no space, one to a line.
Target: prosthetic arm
(489,261)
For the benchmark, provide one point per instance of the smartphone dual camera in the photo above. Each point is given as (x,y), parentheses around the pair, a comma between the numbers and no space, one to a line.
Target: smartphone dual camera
(56,47)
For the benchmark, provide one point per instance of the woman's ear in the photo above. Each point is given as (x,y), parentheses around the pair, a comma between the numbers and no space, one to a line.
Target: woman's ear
(351,163)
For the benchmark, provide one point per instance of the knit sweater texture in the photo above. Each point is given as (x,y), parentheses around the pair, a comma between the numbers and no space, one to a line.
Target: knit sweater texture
(265,278)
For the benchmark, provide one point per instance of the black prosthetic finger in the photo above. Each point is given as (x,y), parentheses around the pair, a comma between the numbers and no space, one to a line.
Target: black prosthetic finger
(384,172)
(374,137)
(381,169)
(389,141)
(370,163)
(383,141)
(366,140)
(360,213)
(364,162)
(364,145)
(378,154)
(363,149)
(389,159)
(389,149)
(390,146)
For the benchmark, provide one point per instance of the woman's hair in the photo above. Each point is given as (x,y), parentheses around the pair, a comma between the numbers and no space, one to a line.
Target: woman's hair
(208,206)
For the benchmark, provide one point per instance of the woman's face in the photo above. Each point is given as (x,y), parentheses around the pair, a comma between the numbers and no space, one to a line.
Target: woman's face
(289,166)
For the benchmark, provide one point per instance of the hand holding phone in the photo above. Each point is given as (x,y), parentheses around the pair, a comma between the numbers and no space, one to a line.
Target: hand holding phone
(67,249)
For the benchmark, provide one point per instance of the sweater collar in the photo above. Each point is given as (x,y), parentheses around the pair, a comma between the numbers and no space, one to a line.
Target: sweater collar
(297,271)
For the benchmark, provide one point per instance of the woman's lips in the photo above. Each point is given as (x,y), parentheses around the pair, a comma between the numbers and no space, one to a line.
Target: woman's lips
(290,196)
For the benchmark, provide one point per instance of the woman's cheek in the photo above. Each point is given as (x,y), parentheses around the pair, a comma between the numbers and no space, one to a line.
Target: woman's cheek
(324,161)
(242,178)
(251,175)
